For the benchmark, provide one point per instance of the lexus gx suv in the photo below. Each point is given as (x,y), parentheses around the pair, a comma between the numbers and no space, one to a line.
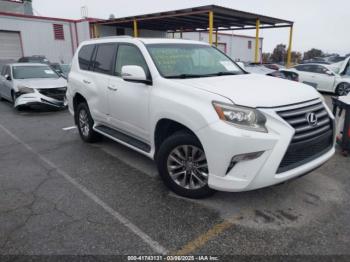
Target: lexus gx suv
(207,123)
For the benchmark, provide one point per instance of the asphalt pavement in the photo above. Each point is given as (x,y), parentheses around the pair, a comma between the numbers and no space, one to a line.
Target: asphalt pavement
(60,196)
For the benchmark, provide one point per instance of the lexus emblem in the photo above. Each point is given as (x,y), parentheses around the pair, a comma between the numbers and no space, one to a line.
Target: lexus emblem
(311,119)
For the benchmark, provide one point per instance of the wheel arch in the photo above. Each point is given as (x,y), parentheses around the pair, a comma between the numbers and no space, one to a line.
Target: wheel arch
(166,127)
(77,99)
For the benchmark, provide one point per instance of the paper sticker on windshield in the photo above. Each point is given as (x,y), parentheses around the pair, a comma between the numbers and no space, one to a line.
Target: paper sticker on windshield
(228,65)
(49,72)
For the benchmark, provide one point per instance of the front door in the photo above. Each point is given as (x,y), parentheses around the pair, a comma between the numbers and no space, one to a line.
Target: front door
(128,101)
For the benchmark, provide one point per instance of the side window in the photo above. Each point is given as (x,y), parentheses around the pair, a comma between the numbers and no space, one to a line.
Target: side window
(104,58)
(7,70)
(321,70)
(129,55)
(84,56)
(3,70)
(347,70)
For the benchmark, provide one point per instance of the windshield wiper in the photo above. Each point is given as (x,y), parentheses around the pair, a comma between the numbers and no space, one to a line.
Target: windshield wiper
(228,73)
(185,76)
(204,75)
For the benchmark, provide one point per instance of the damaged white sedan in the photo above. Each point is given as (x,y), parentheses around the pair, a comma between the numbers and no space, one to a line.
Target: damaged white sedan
(27,84)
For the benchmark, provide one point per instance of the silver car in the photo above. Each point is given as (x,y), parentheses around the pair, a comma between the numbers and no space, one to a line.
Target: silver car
(27,84)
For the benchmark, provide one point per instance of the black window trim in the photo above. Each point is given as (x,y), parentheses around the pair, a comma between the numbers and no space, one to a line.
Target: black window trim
(91,57)
(94,55)
(148,74)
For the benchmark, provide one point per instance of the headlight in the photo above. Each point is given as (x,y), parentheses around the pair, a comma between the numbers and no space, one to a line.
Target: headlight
(241,117)
(25,89)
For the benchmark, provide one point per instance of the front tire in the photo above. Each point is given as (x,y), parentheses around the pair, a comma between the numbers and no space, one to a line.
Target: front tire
(183,166)
(342,89)
(85,124)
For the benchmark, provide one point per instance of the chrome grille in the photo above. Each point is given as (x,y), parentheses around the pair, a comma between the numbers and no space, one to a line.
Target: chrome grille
(303,130)
(309,141)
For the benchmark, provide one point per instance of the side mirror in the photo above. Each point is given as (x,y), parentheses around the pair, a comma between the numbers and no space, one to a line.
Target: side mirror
(330,73)
(133,73)
(8,77)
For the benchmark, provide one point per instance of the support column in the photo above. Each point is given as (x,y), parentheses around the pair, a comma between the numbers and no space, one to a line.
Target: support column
(211,25)
(96,31)
(289,53)
(136,32)
(216,37)
(257,41)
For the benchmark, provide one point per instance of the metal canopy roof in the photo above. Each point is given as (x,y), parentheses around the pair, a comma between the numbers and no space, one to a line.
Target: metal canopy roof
(195,19)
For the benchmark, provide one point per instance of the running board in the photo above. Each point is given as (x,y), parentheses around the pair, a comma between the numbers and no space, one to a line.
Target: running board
(112,133)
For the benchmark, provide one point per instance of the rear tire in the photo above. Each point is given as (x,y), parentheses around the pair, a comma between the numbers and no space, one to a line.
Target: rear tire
(85,124)
(13,97)
(342,89)
(183,166)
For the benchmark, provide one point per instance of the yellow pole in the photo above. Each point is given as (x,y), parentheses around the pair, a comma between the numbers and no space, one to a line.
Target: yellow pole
(289,54)
(257,41)
(216,38)
(136,33)
(211,25)
(96,31)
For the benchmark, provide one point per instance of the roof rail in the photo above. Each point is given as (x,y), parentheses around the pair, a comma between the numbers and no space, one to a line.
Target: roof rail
(114,36)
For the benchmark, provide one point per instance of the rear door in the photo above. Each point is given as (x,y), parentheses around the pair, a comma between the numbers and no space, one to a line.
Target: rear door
(325,82)
(102,67)
(306,74)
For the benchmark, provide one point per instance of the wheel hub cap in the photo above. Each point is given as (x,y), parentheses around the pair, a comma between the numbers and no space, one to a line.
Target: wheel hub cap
(187,167)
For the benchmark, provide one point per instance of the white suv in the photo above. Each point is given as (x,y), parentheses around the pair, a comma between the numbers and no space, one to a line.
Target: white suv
(208,124)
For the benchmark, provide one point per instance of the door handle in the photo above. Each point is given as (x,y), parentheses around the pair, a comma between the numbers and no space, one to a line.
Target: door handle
(86,82)
(112,88)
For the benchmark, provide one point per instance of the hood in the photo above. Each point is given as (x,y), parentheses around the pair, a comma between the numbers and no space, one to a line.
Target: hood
(42,83)
(253,90)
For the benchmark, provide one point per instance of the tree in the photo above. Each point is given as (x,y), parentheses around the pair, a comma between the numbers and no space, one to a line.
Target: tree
(279,53)
(296,57)
(312,53)
(266,57)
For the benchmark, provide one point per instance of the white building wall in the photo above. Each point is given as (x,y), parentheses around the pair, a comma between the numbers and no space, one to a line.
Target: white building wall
(83,29)
(235,46)
(38,37)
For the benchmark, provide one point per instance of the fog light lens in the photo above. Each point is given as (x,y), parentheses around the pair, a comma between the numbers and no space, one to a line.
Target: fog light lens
(243,157)
(248,156)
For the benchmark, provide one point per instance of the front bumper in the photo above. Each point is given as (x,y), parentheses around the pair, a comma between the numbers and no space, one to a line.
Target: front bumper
(222,141)
(37,98)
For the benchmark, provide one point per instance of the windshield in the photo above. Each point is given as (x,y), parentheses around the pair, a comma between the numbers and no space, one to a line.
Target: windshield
(191,60)
(27,72)
(65,68)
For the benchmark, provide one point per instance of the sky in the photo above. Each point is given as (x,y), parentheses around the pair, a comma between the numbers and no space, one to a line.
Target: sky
(321,24)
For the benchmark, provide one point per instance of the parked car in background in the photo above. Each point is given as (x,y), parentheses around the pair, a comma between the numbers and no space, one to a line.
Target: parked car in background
(61,69)
(263,70)
(27,84)
(34,59)
(207,123)
(329,78)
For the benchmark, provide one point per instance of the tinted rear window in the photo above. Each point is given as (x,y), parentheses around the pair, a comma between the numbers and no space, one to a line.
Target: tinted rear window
(104,58)
(84,56)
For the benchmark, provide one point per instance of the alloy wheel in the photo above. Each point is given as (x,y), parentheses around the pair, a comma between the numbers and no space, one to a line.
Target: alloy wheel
(188,167)
(343,89)
(84,122)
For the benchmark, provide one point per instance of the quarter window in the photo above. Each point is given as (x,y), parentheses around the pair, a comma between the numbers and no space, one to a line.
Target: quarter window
(129,55)
(104,58)
(85,55)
